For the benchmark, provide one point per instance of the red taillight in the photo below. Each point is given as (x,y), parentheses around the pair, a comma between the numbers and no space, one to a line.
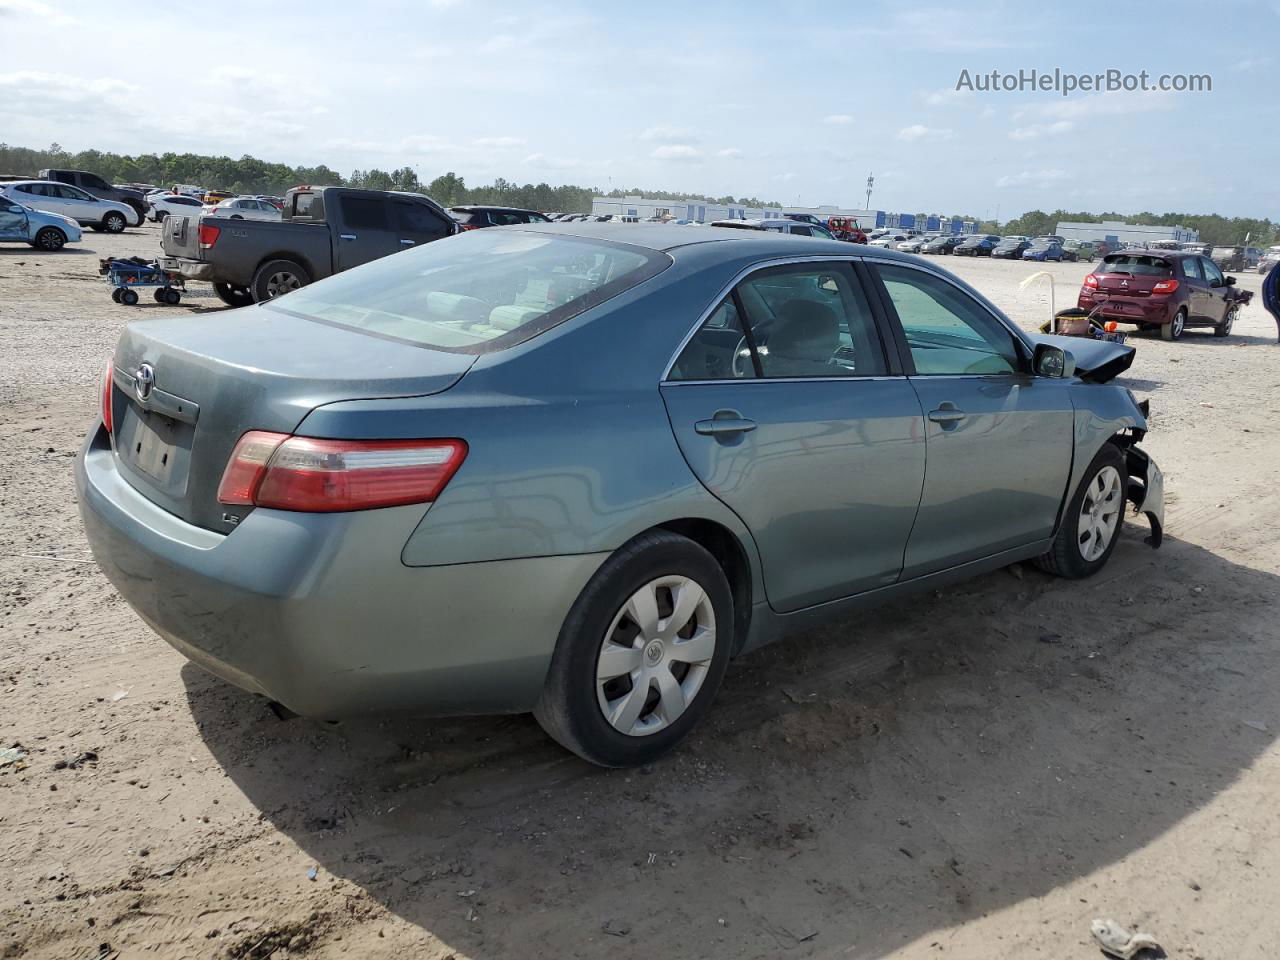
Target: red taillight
(1165,286)
(208,235)
(312,475)
(105,397)
(469,226)
(1091,280)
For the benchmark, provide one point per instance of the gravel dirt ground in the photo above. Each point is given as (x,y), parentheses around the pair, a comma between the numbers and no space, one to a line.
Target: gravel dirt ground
(975,773)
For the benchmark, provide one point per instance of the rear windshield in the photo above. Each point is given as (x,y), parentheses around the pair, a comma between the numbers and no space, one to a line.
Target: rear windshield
(477,292)
(1138,266)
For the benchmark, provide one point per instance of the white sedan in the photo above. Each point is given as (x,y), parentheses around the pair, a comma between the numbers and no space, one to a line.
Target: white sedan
(243,208)
(173,204)
(72,202)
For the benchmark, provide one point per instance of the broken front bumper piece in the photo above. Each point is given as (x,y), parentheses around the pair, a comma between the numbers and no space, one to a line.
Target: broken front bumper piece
(1146,490)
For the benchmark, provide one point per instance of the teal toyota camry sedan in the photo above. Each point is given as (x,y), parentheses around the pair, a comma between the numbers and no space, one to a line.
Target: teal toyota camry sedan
(574,469)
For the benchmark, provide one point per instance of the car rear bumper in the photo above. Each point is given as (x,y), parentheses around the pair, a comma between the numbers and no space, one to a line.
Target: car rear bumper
(318,612)
(188,269)
(1129,309)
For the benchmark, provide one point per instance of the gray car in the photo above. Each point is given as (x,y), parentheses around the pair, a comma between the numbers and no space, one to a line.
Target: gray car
(576,468)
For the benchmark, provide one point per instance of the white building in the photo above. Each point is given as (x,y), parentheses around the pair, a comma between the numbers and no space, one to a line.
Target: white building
(1117,231)
(644,207)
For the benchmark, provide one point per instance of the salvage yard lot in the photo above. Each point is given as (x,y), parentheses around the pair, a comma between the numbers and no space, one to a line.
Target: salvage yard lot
(976,773)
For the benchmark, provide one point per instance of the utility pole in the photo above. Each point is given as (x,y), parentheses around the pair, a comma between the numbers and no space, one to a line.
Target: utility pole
(871,182)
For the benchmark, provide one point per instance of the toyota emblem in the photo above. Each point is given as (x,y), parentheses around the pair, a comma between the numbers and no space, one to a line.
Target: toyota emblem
(144,381)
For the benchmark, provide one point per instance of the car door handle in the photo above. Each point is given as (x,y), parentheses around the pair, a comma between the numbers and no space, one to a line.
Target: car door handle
(724,425)
(346,236)
(947,413)
(407,243)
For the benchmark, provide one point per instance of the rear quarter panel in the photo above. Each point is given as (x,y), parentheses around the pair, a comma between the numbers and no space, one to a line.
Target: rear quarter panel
(244,245)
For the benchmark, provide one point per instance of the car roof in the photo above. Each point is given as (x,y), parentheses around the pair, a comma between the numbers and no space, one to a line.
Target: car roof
(469,207)
(1152,252)
(15,183)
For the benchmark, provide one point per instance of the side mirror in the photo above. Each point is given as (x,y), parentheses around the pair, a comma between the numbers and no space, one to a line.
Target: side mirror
(1230,281)
(1053,361)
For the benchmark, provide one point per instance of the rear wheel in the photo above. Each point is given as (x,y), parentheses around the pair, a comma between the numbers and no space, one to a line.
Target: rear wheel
(641,653)
(1091,523)
(1174,329)
(275,278)
(1223,329)
(171,296)
(233,296)
(49,238)
(114,222)
(129,297)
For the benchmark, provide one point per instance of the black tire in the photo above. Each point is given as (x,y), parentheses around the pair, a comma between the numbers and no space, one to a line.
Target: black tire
(275,278)
(171,296)
(159,294)
(49,238)
(1223,329)
(129,298)
(1066,558)
(1175,328)
(114,222)
(569,709)
(233,296)
(115,294)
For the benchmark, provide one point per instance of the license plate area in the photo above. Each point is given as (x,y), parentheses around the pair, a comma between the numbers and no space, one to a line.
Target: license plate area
(156,446)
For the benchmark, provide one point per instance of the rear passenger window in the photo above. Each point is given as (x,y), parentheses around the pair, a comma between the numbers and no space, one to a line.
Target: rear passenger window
(364,213)
(801,321)
(1191,267)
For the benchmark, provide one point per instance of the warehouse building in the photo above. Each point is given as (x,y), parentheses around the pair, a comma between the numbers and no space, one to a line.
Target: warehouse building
(1117,232)
(701,210)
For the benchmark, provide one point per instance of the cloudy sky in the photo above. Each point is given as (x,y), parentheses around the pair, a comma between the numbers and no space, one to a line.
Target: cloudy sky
(795,101)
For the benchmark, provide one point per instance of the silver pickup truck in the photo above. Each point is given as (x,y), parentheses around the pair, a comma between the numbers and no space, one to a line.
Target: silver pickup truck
(323,230)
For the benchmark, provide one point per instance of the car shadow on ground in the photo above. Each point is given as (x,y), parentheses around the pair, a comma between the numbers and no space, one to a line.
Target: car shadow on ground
(859,785)
(25,251)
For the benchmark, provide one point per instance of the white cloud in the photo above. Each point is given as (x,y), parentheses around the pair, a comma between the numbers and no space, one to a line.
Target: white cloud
(665,134)
(543,162)
(946,97)
(676,151)
(1250,64)
(730,153)
(34,8)
(498,142)
(784,177)
(1118,104)
(1038,130)
(1033,178)
(918,131)
(837,119)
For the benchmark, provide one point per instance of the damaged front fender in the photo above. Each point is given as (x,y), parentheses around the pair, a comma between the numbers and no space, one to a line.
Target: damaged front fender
(1146,490)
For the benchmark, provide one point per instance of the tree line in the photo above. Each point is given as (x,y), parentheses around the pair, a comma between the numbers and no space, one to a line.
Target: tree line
(254,176)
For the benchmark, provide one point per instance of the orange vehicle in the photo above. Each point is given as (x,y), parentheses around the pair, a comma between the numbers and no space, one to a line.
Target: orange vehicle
(846,228)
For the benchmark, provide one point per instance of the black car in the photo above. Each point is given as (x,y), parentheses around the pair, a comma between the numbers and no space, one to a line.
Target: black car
(979,245)
(1010,248)
(943,244)
(474,217)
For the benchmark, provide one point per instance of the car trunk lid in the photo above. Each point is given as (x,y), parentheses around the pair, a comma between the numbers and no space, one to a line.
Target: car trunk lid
(181,236)
(185,390)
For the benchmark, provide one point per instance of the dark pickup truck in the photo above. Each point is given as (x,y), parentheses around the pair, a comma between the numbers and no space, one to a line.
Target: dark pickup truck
(323,231)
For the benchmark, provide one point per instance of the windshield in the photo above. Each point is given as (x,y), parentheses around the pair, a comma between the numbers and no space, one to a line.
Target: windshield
(1138,266)
(1226,251)
(479,291)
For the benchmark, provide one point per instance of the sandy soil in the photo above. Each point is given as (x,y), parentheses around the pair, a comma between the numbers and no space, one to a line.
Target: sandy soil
(976,773)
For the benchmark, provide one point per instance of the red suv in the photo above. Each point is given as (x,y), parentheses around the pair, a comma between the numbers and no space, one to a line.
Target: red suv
(1161,288)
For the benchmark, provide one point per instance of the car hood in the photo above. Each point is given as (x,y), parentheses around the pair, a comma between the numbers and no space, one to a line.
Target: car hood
(50,219)
(1097,361)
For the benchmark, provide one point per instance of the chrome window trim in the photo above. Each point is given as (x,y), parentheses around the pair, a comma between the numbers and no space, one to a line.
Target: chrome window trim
(725,291)
(855,379)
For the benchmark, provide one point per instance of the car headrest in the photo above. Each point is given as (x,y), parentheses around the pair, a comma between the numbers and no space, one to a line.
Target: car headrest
(806,331)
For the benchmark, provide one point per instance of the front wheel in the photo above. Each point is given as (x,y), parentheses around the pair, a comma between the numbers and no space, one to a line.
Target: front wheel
(49,238)
(1223,329)
(114,222)
(275,278)
(641,653)
(1091,523)
(1174,329)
